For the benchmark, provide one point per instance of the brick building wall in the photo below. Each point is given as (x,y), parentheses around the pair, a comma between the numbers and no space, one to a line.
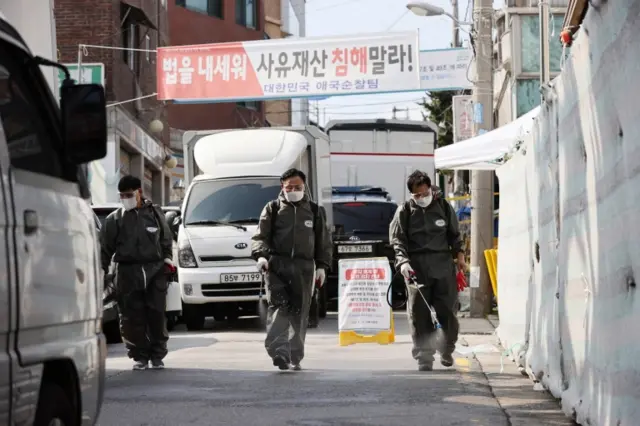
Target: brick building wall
(98,22)
(278,113)
(191,27)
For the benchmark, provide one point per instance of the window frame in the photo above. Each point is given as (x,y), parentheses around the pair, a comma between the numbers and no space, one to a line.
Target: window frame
(215,8)
(131,40)
(242,9)
(517,47)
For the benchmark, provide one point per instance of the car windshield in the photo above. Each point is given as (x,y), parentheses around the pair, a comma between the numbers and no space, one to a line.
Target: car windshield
(229,200)
(363,217)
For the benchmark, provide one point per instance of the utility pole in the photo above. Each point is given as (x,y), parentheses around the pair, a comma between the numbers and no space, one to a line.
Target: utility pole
(456,24)
(482,181)
(458,175)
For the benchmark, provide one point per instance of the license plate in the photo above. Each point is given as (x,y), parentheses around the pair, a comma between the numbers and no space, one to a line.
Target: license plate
(355,249)
(241,278)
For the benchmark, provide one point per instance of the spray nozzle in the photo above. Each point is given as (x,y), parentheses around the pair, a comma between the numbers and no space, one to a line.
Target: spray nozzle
(413,282)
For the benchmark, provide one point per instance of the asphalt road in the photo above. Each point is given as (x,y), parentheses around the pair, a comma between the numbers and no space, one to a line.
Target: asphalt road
(222,376)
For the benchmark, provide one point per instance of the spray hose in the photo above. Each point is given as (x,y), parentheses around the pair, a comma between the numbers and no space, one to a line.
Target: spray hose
(412,283)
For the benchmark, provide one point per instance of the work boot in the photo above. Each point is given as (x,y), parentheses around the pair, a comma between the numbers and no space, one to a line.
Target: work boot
(157,364)
(141,365)
(446,359)
(425,366)
(280,362)
(296,367)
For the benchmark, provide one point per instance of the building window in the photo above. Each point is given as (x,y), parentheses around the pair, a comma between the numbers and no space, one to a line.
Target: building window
(254,105)
(527,95)
(209,7)
(247,13)
(530,43)
(130,37)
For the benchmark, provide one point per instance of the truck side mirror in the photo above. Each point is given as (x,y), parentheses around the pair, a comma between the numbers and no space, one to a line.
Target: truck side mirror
(84,122)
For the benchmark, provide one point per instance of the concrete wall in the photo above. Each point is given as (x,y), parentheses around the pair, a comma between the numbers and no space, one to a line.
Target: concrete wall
(569,230)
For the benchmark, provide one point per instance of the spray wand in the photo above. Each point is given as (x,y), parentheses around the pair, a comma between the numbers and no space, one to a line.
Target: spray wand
(413,282)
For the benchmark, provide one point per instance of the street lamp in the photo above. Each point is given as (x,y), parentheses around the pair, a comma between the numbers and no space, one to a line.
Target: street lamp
(422,8)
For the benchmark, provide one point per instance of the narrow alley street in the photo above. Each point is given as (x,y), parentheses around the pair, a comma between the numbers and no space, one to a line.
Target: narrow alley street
(223,377)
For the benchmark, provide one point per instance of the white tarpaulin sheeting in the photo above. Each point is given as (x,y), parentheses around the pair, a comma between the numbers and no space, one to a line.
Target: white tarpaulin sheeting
(486,151)
(568,262)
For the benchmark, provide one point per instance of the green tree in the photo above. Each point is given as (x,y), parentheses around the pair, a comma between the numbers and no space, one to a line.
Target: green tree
(439,111)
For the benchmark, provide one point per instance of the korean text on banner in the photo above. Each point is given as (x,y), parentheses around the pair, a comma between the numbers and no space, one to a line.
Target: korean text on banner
(362,295)
(289,68)
(445,69)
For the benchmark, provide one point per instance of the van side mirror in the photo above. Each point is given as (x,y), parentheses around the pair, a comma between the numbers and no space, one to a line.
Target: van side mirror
(84,121)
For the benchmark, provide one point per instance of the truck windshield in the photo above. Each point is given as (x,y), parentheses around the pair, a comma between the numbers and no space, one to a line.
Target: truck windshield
(230,201)
(363,218)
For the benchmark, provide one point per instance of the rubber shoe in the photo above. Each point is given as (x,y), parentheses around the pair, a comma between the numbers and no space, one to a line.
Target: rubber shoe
(157,365)
(141,365)
(446,360)
(296,367)
(280,362)
(425,366)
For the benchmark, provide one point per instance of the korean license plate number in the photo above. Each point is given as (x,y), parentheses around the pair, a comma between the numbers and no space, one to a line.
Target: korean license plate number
(355,249)
(240,278)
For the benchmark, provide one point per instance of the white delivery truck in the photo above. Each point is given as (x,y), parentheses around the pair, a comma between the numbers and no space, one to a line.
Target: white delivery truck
(231,175)
(381,153)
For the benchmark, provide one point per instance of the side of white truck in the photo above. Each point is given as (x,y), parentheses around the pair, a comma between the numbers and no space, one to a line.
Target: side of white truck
(231,175)
(381,153)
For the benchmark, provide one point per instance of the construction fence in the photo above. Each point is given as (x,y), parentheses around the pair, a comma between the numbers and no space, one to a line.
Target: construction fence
(569,229)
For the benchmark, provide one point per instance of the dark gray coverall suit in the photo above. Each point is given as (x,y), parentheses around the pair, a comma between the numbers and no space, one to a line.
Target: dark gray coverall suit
(428,238)
(299,244)
(140,239)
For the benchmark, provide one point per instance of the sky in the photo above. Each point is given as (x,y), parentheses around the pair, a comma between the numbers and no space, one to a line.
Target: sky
(343,17)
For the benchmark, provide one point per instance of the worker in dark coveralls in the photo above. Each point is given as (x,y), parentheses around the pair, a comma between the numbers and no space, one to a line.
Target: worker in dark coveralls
(292,246)
(425,237)
(139,240)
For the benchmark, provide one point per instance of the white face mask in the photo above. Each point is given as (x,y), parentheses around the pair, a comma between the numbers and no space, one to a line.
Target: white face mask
(294,196)
(129,203)
(424,202)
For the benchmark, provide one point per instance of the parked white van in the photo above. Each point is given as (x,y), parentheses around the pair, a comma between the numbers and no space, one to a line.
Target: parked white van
(52,356)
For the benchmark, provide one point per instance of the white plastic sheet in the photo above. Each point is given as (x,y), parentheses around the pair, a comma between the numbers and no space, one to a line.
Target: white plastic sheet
(569,235)
(486,151)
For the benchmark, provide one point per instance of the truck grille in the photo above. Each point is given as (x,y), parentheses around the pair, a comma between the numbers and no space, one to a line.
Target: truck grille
(226,290)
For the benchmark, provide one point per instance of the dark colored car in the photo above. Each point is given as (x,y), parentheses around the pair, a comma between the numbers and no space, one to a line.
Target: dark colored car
(361,217)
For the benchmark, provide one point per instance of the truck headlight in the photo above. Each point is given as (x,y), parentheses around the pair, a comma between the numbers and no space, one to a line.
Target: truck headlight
(186,258)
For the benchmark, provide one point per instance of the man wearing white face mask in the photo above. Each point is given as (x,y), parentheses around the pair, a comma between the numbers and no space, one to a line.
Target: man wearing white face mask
(292,247)
(425,237)
(139,240)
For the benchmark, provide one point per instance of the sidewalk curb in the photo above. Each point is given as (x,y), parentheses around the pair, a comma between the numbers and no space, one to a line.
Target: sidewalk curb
(513,391)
